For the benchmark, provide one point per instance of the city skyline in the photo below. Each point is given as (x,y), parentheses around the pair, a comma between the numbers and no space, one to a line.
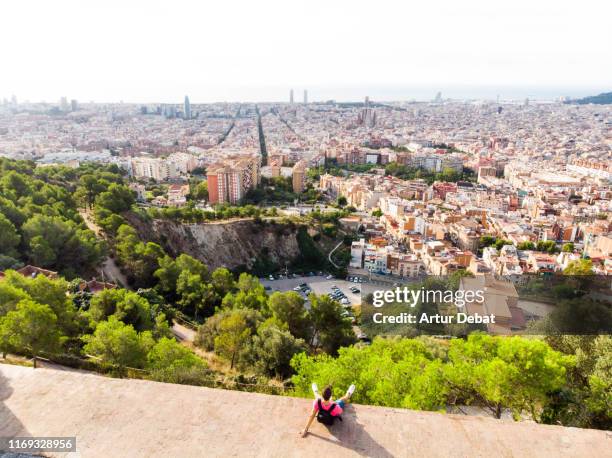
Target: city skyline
(274,95)
(404,50)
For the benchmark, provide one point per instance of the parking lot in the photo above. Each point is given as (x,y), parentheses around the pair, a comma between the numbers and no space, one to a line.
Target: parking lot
(318,284)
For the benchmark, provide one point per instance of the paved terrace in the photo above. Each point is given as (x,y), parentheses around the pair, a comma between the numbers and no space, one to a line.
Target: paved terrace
(114,417)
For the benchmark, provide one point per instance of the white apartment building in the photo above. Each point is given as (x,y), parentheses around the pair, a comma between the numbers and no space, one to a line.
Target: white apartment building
(155,168)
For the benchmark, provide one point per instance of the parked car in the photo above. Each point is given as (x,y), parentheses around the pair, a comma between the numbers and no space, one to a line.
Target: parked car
(329,277)
(271,277)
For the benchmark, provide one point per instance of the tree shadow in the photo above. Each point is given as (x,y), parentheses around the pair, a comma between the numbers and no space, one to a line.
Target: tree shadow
(352,435)
(10,425)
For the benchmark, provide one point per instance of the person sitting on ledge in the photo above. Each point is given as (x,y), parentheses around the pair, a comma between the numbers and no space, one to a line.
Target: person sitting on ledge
(325,409)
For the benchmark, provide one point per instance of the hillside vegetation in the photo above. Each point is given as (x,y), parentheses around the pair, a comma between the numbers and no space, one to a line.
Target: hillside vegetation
(271,343)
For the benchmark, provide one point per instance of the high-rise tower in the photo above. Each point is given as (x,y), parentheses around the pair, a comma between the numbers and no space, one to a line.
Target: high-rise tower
(187,108)
(305,96)
(291,96)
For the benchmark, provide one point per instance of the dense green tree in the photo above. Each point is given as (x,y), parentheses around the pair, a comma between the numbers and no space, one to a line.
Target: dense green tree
(223,281)
(117,198)
(200,191)
(118,343)
(579,267)
(31,328)
(233,335)
(497,372)
(46,291)
(89,188)
(170,269)
(10,296)
(272,349)
(57,243)
(548,246)
(527,246)
(194,294)
(514,373)
(139,259)
(206,333)
(167,274)
(8,262)
(581,315)
(9,237)
(12,212)
(586,401)
(111,223)
(15,185)
(289,308)
(251,295)
(391,372)
(500,243)
(568,247)
(126,306)
(331,329)
(161,327)
(487,240)
(168,354)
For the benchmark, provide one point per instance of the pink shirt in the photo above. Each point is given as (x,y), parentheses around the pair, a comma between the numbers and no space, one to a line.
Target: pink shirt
(337,409)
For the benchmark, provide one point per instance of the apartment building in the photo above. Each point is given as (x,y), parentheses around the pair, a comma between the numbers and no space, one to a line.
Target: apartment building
(230,180)
(357,252)
(154,168)
(299,177)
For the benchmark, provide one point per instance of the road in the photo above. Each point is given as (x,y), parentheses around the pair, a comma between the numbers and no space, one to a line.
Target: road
(109,269)
(183,333)
(332,252)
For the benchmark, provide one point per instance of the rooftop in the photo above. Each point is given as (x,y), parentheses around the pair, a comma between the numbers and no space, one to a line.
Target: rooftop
(120,417)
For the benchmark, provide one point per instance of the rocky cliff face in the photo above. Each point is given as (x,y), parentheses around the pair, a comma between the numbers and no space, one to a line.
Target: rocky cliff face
(224,244)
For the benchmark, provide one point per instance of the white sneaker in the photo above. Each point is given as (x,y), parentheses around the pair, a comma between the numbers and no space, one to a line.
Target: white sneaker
(350,391)
(315,389)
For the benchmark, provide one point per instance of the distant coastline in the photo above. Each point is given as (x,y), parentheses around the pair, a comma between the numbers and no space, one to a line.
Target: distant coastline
(604,98)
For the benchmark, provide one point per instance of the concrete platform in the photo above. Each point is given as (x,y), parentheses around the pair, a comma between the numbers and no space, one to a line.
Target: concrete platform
(125,418)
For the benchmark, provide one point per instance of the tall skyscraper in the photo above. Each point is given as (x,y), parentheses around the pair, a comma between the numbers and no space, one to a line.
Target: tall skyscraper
(367,101)
(305,96)
(74,105)
(64,104)
(291,96)
(187,108)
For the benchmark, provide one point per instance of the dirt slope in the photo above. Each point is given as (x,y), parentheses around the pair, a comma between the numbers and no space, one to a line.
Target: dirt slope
(224,244)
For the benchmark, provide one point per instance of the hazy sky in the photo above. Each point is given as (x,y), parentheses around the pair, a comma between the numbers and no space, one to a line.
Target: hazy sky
(255,50)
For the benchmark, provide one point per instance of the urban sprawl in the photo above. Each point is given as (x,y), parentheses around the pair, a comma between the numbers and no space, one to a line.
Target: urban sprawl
(491,187)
